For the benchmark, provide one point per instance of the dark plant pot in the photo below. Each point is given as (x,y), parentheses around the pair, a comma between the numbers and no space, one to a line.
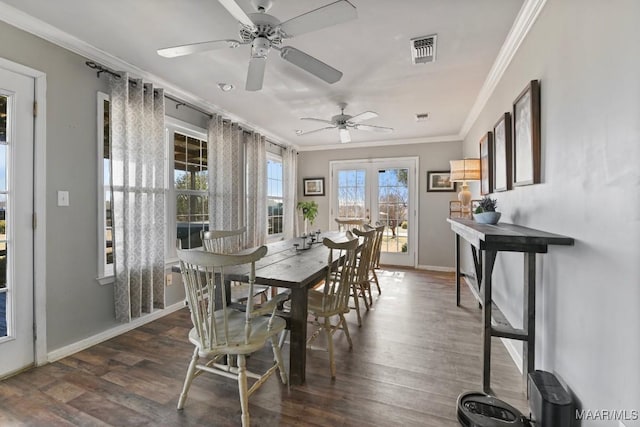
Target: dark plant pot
(487,217)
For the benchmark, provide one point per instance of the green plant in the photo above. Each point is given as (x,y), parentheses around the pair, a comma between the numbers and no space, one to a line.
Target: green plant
(404,225)
(404,248)
(309,210)
(487,204)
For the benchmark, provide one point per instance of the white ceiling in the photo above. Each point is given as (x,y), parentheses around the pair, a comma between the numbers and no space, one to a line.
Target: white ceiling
(372,52)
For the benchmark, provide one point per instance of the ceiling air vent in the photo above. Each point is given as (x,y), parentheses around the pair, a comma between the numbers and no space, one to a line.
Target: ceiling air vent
(423,49)
(422,117)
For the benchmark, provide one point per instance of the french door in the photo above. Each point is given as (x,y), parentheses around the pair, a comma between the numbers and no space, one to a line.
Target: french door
(380,191)
(16,213)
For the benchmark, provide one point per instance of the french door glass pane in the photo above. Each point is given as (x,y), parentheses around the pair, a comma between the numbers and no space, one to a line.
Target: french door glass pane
(393,201)
(351,193)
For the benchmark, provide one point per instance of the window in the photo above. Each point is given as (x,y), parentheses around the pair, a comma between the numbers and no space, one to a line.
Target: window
(105,236)
(274,195)
(188,198)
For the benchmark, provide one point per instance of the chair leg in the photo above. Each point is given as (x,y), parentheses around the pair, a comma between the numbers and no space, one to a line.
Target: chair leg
(242,386)
(187,381)
(354,290)
(332,363)
(363,291)
(345,328)
(375,277)
(283,337)
(278,356)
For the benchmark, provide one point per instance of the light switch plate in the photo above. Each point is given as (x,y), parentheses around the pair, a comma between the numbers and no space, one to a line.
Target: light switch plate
(63,198)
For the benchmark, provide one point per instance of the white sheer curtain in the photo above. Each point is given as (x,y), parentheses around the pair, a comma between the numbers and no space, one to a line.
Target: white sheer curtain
(256,149)
(137,180)
(290,172)
(226,174)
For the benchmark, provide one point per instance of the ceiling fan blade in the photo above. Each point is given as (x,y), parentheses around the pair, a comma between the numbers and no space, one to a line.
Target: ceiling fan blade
(325,16)
(188,49)
(314,131)
(317,120)
(374,128)
(255,74)
(367,115)
(310,64)
(345,136)
(237,12)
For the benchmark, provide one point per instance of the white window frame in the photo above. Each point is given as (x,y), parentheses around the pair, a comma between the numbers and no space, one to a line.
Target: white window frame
(277,158)
(173,125)
(105,271)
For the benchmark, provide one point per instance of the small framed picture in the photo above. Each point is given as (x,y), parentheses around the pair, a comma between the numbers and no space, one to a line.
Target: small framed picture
(313,186)
(486,164)
(526,136)
(502,154)
(440,181)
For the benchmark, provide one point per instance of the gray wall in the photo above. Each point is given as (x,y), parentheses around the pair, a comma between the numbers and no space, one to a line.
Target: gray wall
(77,306)
(588,319)
(435,241)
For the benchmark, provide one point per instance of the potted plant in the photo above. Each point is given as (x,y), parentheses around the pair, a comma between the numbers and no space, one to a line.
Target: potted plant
(486,213)
(309,212)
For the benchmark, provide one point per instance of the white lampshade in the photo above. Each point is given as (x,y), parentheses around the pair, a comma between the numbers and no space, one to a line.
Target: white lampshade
(465,170)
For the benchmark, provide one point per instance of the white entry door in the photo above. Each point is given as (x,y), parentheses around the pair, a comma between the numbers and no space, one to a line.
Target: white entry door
(380,191)
(16,215)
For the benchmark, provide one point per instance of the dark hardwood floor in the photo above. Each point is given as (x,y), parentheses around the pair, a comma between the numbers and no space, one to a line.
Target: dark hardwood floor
(412,357)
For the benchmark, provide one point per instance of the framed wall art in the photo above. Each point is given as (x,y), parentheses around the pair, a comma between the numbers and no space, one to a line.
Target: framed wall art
(486,164)
(440,181)
(313,186)
(502,178)
(526,136)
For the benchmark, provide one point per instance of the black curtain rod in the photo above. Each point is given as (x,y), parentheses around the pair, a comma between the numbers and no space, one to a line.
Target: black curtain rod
(179,103)
(102,69)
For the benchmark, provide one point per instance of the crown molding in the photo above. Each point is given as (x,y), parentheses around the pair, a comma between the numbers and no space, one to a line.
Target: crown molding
(524,21)
(48,32)
(381,143)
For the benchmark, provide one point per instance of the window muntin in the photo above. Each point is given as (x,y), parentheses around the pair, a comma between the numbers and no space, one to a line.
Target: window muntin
(275,200)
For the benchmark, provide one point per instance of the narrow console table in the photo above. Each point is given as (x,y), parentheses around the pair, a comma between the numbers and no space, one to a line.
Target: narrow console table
(491,239)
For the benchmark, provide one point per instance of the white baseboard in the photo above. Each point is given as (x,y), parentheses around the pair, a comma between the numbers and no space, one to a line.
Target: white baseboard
(435,268)
(70,349)
(513,352)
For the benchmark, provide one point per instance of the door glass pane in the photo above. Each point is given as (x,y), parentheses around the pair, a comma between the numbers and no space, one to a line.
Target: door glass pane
(351,194)
(393,203)
(3,209)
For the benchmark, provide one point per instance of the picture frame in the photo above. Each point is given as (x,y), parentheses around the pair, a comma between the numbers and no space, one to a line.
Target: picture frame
(502,176)
(486,164)
(526,136)
(440,181)
(313,186)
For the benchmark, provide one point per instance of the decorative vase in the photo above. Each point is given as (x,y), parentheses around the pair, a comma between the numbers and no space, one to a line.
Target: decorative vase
(487,217)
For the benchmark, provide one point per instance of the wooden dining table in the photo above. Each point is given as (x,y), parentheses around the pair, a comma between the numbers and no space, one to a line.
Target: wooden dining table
(296,269)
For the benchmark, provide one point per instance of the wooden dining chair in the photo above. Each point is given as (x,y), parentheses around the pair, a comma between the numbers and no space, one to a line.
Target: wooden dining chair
(333,299)
(221,332)
(377,248)
(361,286)
(345,224)
(229,242)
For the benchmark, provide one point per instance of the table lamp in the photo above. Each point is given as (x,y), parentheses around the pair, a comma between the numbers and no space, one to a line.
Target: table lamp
(463,171)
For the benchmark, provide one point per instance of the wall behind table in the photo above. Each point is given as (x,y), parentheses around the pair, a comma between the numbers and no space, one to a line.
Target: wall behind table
(588,318)
(435,240)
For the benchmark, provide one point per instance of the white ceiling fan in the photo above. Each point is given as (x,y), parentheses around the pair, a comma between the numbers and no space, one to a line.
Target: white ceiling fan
(344,122)
(264,32)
